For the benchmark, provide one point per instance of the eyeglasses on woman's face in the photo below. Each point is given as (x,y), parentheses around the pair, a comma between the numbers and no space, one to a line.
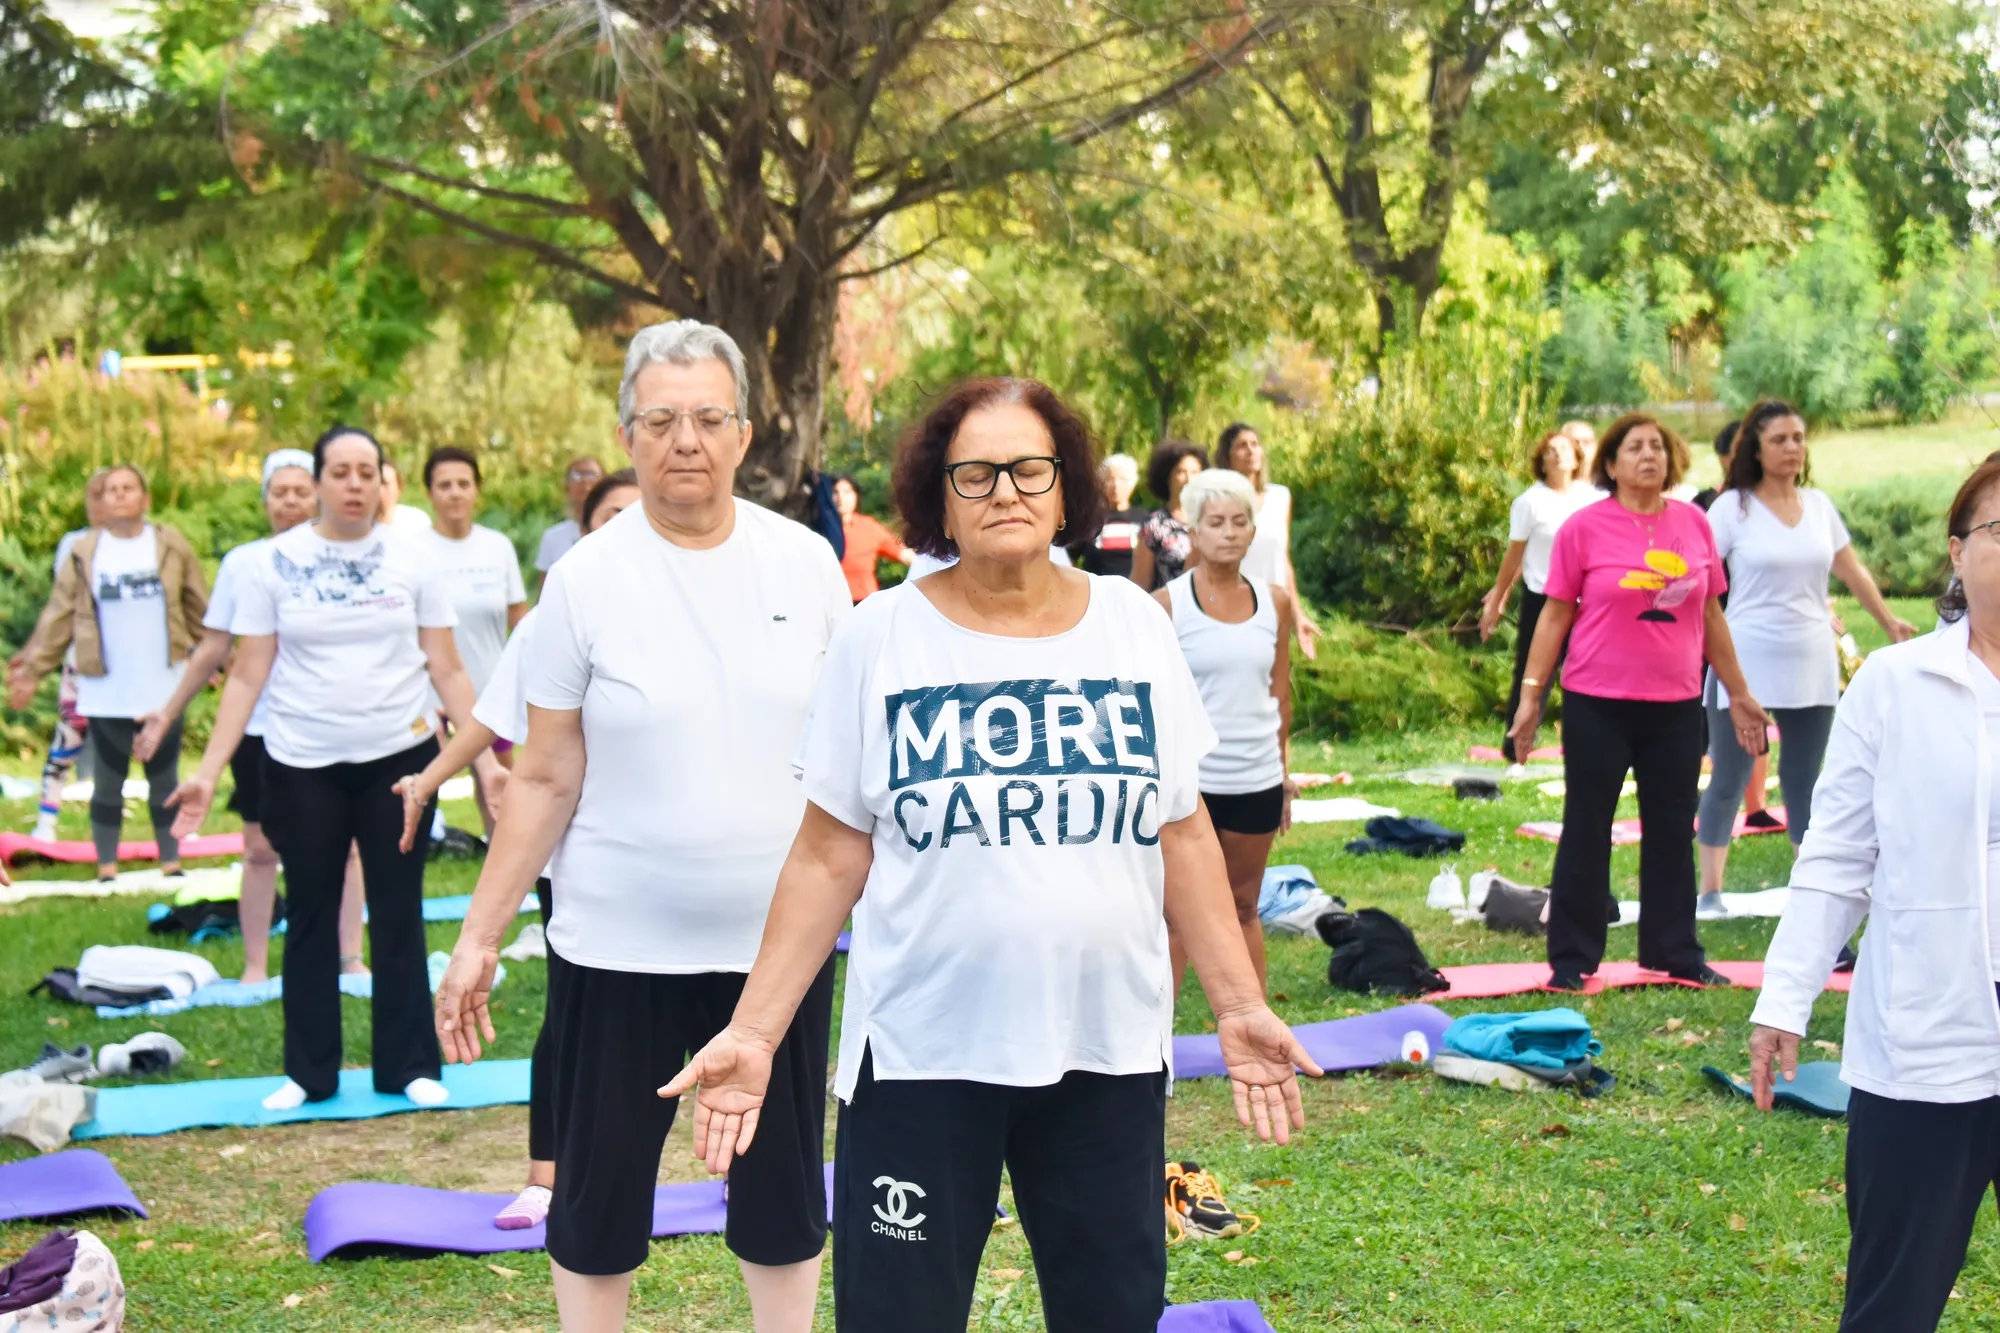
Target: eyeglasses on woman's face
(1035,475)
(662,423)
(1991,527)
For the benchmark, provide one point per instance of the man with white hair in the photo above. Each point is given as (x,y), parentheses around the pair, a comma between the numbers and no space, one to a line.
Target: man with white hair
(1110,552)
(675,650)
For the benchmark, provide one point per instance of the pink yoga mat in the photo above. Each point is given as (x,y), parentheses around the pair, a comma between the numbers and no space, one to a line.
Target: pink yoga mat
(14,845)
(1486,981)
(1626,831)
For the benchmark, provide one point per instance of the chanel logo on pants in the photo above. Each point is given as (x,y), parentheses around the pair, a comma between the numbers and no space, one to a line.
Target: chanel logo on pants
(896,1221)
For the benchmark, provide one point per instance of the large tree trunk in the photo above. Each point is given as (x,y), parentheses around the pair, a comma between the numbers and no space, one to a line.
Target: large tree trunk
(788,367)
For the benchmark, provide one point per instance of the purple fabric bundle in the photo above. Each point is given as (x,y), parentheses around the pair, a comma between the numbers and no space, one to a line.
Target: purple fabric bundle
(1215,1317)
(39,1274)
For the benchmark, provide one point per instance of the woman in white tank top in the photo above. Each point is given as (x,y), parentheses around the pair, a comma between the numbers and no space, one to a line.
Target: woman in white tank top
(1237,635)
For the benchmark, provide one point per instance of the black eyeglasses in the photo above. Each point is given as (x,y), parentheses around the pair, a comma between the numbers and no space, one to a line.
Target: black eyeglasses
(1032,476)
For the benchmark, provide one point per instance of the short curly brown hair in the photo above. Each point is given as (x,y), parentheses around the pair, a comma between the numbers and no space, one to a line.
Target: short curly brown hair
(920,460)
(1614,439)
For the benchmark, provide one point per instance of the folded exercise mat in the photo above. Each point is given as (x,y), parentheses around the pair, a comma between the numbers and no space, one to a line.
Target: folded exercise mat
(1365,1042)
(1764,902)
(166,1108)
(1817,1090)
(1215,1317)
(14,845)
(372,1215)
(217,881)
(1626,831)
(63,1184)
(1486,981)
(1444,775)
(454,906)
(1491,755)
(1338,810)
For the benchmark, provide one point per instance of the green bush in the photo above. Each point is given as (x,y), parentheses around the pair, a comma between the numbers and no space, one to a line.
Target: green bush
(1940,342)
(1400,499)
(1368,681)
(1898,531)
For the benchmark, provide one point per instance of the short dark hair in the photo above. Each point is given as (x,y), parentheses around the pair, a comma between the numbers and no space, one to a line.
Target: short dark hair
(1725,439)
(1227,440)
(449,453)
(1536,466)
(605,484)
(1167,456)
(338,431)
(1958,523)
(919,480)
(1746,462)
(1614,439)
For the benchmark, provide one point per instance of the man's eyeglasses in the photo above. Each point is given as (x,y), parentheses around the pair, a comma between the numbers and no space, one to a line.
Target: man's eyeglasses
(664,422)
(1032,476)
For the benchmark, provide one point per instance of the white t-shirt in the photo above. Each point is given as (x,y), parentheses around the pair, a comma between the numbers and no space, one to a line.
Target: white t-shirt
(409,519)
(1264,561)
(221,615)
(1012,926)
(556,541)
(693,671)
(66,545)
(1777,598)
(483,578)
(1537,514)
(1988,690)
(350,682)
(502,705)
(931,564)
(132,623)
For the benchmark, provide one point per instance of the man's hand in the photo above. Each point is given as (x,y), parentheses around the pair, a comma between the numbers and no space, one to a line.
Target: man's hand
(1264,1059)
(1769,1046)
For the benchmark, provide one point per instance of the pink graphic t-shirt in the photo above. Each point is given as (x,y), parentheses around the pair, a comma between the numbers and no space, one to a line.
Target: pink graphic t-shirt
(1640,582)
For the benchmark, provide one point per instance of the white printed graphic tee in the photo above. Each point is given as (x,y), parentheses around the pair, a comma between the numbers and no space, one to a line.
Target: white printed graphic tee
(132,621)
(350,682)
(1013,924)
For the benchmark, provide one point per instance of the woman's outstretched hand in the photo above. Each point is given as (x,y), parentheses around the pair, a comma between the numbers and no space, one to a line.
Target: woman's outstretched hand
(1264,1060)
(732,1073)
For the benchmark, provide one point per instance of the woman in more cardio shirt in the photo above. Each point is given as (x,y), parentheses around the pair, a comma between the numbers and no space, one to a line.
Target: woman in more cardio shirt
(344,634)
(1001,776)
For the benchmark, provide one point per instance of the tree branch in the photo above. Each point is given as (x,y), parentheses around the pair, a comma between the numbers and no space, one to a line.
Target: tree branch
(558,207)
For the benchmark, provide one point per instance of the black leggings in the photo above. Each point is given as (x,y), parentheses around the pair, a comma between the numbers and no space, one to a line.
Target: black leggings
(313,815)
(541,1064)
(1524,638)
(110,759)
(1660,744)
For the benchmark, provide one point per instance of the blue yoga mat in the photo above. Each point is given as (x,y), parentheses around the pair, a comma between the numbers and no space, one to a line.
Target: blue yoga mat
(1817,1090)
(166,1108)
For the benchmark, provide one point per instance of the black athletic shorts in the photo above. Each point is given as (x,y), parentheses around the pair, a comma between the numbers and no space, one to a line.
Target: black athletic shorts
(1250,813)
(616,1038)
(246,766)
(916,1167)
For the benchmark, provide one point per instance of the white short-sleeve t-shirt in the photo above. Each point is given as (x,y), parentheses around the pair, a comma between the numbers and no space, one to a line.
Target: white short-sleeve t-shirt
(1012,927)
(350,682)
(502,706)
(132,623)
(1777,598)
(222,610)
(482,576)
(557,538)
(693,671)
(1264,561)
(1538,513)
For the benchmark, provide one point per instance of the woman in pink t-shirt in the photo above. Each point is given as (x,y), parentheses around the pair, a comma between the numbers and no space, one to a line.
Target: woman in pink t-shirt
(1634,585)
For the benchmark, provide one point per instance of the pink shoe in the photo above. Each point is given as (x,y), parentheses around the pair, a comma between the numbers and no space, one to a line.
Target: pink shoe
(530,1209)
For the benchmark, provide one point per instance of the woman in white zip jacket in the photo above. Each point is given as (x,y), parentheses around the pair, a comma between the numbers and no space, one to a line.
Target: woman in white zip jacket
(1905,831)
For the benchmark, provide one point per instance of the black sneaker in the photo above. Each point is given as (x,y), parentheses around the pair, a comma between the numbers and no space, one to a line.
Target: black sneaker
(1763,819)
(1704,976)
(1845,960)
(1569,979)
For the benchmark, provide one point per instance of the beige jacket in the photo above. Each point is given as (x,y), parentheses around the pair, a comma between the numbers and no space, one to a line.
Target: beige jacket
(70,618)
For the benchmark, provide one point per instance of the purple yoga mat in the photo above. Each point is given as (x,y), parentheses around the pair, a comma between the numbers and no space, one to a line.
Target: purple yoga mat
(62,1184)
(1215,1317)
(411,1217)
(1365,1042)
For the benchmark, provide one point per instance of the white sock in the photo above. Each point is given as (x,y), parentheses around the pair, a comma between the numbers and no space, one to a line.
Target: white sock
(288,1098)
(427,1092)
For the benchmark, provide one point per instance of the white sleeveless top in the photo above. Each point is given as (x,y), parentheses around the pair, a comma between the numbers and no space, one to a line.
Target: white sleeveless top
(1232,668)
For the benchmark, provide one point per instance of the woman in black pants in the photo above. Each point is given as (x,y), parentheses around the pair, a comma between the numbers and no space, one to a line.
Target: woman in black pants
(343,633)
(1537,514)
(1634,587)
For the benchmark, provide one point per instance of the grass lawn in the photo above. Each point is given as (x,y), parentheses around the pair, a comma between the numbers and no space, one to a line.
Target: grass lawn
(1406,1203)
